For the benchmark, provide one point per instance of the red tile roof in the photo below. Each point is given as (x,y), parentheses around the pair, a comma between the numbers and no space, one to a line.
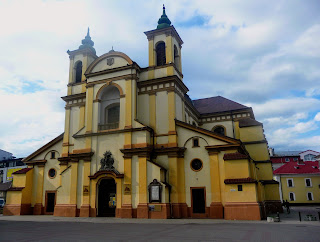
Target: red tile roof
(22,171)
(307,167)
(234,156)
(216,105)
(240,180)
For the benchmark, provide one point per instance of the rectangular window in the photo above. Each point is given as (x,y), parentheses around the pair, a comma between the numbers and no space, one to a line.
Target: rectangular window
(291,196)
(308,182)
(310,196)
(195,142)
(53,155)
(240,188)
(295,159)
(290,182)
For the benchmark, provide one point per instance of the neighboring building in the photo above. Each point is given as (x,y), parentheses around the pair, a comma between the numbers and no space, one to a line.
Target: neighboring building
(282,157)
(309,155)
(299,182)
(4,155)
(136,146)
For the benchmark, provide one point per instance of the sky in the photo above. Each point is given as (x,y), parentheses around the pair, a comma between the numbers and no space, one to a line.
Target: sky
(263,54)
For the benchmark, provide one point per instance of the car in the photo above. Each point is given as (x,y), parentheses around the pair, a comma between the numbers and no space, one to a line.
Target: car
(2,202)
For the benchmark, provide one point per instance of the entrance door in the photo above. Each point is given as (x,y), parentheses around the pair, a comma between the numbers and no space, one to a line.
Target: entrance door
(198,202)
(107,198)
(50,202)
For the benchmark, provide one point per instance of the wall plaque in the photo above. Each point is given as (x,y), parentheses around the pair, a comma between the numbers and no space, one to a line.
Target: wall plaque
(155,189)
(127,189)
(86,190)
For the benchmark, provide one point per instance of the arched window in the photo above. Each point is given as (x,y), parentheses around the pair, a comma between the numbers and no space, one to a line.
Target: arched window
(219,130)
(161,54)
(176,57)
(78,72)
(109,108)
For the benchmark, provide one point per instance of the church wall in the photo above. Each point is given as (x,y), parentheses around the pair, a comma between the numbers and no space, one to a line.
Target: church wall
(102,65)
(162,113)
(236,169)
(143,108)
(107,76)
(161,72)
(248,194)
(141,137)
(179,108)
(63,192)
(254,133)
(163,161)
(227,124)
(34,185)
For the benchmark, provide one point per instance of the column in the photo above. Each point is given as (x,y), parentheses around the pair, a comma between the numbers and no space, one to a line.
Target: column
(216,208)
(38,207)
(126,209)
(85,207)
(142,210)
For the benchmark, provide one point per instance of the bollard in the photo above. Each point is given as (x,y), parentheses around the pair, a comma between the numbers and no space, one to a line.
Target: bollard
(300,216)
(278,215)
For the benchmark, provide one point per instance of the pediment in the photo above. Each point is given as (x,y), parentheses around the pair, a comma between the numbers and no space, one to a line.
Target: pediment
(110,60)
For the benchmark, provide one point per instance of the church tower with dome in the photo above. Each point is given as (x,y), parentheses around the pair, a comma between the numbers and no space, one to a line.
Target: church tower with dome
(136,146)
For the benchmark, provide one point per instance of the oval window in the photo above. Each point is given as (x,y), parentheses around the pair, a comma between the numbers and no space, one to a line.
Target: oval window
(52,173)
(196,165)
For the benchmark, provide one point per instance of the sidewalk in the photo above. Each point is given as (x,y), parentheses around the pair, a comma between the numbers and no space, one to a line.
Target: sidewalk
(292,218)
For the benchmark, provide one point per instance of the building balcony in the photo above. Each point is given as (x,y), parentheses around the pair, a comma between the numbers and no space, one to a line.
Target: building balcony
(108,126)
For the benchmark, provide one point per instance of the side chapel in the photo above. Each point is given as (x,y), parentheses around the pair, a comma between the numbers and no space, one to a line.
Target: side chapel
(136,146)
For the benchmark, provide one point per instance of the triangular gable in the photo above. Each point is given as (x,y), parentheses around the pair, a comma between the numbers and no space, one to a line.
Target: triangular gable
(46,146)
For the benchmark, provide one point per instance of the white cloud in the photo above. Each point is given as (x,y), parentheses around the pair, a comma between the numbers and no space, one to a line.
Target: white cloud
(317,117)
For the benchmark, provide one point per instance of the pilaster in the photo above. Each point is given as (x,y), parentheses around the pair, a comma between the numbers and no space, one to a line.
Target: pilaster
(38,207)
(142,210)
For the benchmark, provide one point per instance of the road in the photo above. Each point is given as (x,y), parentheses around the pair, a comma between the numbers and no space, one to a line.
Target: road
(88,231)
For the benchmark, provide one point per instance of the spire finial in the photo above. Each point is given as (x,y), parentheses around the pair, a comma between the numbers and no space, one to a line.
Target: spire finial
(163,22)
(88,33)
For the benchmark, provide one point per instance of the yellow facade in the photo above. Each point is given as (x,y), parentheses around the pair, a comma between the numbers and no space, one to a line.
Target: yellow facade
(134,146)
(300,190)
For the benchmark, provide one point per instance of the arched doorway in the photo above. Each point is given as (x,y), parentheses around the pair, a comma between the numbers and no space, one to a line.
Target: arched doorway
(107,198)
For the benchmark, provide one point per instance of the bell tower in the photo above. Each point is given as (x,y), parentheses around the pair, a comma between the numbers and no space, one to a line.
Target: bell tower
(165,46)
(80,60)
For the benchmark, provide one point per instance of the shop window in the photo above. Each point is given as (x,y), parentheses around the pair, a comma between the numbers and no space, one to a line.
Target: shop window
(308,182)
(161,54)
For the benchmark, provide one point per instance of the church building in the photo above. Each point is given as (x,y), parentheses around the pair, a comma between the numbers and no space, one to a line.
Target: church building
(136,146)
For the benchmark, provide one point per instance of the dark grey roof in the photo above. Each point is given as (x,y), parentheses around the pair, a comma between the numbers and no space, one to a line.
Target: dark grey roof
(5,186)
(216,105)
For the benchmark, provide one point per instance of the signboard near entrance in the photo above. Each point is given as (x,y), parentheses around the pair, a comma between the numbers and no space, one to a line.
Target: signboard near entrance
(127,189)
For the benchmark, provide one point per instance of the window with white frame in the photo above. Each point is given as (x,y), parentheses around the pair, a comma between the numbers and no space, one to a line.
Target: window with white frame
(292,196)
(309,196)
(308,182)
(309,157)
(290,182)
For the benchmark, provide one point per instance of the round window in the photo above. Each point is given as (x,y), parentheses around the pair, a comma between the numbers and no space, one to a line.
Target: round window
(196,165)
(52,173)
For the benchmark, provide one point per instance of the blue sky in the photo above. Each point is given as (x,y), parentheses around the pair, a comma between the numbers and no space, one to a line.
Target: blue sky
(264,54)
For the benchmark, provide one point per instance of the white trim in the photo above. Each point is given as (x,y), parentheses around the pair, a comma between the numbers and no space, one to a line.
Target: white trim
(288,179)
(294,196)
(311,196)
(299,175)
(305,182)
